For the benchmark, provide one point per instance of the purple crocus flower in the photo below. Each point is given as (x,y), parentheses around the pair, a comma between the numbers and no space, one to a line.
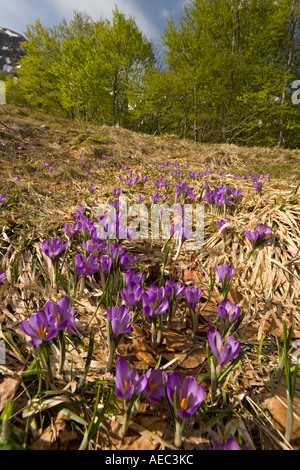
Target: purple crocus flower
(40,327)
(63,313)
(155,389)
(174,289)
(115,203)
(2,276)
(230,444)
(79,212)
(86,267)
(223,353)
(189,395)
(116,251)
(264,229)
(106,263)
(53,248)
(126,260)
(253,237)
(183,231)
(155,198)
(155,293)
(131,277)
(153,306)
(140,199)
(128,381)
(236,193)
(92,187)
(228,310)
(120,320)
(132,295)
(71,229)
(257,186)
(261,231)
(221,223)
(193,296)
(91,245)
(224,272)
(2,198)
(117,192)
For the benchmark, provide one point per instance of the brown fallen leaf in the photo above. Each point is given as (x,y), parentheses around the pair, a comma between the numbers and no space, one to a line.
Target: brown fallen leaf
(276,404)
(8,389)
(58,436)
(142,354)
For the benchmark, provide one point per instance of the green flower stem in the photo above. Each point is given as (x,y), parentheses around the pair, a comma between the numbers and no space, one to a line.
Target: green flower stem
(128,414)
(106,288)
(111,354)
(62,346)
(172,308)
(38,369)
(81,288)
(179,425)
(194,317)
(289,425)
(178,250)
(153,334)
(88,361)
(159,330)
(214,380)
(46,359)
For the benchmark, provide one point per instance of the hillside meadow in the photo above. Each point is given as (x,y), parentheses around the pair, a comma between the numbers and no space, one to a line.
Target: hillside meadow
(142,344)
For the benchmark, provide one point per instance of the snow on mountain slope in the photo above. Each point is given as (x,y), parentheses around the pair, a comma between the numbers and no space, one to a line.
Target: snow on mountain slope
(10,51)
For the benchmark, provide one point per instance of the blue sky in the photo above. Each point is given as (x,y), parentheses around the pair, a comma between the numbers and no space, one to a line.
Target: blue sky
(150,15)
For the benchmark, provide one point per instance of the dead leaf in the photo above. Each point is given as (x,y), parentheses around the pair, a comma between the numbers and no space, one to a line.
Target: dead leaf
(57,436)
(276,404)
(8,389)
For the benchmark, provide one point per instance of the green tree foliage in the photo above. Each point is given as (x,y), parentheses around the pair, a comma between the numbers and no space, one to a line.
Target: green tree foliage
(92,70)
(235,60)
(226,73)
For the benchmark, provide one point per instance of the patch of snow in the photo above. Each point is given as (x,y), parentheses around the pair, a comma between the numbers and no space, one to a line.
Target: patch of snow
(7,60)
(7,68)
(4,48)
(10,33)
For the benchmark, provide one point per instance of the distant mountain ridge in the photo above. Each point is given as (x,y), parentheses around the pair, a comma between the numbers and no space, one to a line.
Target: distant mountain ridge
(10,51)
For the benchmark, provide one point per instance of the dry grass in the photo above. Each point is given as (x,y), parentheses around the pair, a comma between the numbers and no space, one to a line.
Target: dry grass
(267,287)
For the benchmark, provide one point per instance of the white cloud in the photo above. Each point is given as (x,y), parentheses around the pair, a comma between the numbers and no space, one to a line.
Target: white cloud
(16,15)
(165,13)
(98,8)
(177,9)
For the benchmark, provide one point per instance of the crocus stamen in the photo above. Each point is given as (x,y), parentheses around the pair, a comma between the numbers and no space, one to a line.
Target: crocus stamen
(152,386)
(127,384)
(42,332)
(184,401)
